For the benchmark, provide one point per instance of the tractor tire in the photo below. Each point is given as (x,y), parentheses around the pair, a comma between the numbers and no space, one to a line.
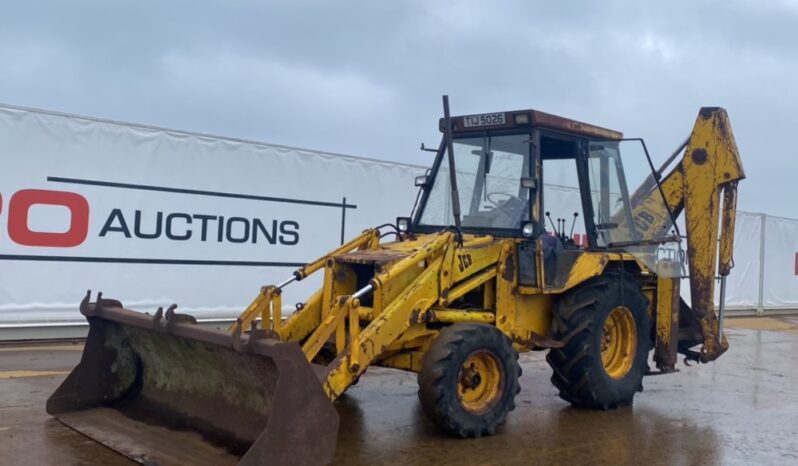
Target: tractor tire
(469,379)
(605,325)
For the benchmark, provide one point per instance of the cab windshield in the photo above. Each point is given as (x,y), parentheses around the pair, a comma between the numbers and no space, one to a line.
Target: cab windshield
(489,169)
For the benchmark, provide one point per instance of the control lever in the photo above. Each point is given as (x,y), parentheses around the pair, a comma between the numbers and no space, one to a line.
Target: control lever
(548,215)
(576,214)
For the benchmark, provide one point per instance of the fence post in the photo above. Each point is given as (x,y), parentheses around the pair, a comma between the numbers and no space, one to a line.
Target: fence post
(343,220)
(760,310)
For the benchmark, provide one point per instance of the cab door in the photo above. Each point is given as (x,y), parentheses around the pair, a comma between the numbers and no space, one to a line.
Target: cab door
(565,201)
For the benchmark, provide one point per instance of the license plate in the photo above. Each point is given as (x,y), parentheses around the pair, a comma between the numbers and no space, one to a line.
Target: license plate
(486,119)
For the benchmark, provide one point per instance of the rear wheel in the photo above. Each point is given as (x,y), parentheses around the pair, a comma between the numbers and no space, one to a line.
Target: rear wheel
(469,379)
(605,325)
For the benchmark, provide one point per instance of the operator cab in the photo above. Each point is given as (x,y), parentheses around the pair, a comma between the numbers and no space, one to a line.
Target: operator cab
(534,175)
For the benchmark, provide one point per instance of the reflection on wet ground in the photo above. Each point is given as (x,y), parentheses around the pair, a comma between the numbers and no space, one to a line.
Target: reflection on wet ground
(742,409)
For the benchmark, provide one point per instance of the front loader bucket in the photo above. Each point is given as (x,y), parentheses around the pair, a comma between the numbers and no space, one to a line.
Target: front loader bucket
(161,390)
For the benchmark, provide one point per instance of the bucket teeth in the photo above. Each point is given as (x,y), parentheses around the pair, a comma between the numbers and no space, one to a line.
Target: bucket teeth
(170,311)
(237,339)
(85,307)
(157,319)
(173,317)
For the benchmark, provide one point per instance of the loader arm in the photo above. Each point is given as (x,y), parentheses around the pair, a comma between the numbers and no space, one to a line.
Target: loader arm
(703,185)
(414,276)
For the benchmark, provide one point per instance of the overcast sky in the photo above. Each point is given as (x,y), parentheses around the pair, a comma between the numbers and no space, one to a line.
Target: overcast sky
(365,77)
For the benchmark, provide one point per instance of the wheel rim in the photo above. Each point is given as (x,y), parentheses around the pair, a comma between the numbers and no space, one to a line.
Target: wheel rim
(618,342)
(480,382)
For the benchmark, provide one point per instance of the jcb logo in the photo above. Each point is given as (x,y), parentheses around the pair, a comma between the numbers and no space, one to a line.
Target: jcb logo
(19,207)
(643,221)
(464,261)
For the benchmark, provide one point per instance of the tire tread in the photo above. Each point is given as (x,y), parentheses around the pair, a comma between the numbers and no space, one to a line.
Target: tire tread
(577,319)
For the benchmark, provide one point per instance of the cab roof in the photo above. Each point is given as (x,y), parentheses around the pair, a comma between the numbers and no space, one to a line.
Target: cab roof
(526,118)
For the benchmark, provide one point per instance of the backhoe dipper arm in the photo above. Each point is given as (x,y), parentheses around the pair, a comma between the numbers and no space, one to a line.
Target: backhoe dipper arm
(711,166)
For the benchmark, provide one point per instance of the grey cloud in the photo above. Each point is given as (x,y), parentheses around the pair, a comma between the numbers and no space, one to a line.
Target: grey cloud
(365,77)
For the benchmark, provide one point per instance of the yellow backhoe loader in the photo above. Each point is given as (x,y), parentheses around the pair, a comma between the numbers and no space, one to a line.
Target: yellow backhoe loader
(478,273)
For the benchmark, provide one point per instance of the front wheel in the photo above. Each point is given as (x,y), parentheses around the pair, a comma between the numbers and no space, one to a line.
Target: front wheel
(469,379)
(605,325)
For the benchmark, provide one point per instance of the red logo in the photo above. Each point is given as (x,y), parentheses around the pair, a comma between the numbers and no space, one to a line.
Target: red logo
(19,207)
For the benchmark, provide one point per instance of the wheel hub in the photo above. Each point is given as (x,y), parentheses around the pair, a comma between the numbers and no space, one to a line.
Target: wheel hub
(480,382)
(618,342)
(469,377)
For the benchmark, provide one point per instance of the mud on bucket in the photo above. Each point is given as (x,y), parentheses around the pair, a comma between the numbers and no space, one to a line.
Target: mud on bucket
(161,390)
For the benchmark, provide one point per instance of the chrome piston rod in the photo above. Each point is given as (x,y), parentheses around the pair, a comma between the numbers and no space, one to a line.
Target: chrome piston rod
(286,283)
(363,291)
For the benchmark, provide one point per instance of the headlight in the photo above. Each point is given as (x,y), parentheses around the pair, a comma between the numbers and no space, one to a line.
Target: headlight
(528,229)
(403,224)
(422,180)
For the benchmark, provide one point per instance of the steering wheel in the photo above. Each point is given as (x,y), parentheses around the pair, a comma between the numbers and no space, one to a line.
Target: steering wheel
(507,197)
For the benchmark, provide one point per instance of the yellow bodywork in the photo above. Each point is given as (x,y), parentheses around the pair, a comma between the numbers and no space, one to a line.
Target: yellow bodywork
(416,287)
(413,287)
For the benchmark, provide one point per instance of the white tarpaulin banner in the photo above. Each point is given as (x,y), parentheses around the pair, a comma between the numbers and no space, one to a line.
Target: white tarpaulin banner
(152,216)
(742,284)
(780,281)
(774,282)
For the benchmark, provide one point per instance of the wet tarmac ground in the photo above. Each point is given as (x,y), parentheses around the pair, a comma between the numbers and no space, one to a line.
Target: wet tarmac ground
(742,409)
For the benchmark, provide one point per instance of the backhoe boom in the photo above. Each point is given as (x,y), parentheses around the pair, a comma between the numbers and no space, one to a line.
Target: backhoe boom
(703,185)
